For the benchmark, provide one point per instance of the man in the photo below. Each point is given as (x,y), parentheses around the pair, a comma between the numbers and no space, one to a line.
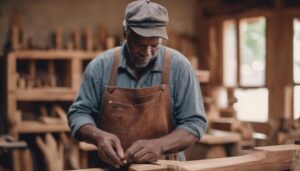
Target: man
(140,101)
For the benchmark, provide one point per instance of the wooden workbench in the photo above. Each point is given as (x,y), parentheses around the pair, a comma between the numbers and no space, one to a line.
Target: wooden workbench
(263,158)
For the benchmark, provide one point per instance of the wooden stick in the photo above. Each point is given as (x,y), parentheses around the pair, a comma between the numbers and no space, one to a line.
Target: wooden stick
(52,152)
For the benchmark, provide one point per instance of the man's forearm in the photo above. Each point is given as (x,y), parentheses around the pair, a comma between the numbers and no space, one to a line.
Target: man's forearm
(89,133)
(177,141)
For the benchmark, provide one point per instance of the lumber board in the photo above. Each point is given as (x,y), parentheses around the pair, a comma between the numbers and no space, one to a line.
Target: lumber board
(263,158)
(45,94)
(38,127)
(54,54)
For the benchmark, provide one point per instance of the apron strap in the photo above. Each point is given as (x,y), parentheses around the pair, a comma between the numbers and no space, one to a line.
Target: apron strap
(114,68)
(166,68)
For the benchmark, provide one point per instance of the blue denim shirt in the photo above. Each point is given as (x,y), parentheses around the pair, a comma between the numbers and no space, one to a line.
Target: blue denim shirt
(186,98)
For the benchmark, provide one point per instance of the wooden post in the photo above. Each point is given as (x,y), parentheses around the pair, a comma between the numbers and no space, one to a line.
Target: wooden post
(52,152)
(15,38)
(89,42)
(102,37)
(77,39)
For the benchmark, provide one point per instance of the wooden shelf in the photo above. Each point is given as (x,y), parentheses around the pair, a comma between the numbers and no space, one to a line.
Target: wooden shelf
(38,127)
(45,94)
(54,54)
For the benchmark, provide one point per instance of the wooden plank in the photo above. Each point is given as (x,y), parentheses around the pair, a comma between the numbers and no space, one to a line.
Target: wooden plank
(45,94)
(38,127)
(263,158)
(5,145)
(54,54)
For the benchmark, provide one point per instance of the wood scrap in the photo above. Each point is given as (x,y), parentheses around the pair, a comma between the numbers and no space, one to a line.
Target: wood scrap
(9,143)
(52,152)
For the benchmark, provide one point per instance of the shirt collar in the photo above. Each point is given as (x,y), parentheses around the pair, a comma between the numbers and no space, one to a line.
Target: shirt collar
(158,66)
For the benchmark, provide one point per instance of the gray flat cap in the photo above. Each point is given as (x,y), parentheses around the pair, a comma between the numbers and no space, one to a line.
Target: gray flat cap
(147,18)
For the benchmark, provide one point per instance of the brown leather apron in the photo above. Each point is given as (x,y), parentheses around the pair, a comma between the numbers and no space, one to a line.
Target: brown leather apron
(137,113)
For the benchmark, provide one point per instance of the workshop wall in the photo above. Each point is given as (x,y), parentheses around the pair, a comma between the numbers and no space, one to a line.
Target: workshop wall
(41,17)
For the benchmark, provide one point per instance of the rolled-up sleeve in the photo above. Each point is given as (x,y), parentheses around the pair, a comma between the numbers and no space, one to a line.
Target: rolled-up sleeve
(189,112)
(86,105)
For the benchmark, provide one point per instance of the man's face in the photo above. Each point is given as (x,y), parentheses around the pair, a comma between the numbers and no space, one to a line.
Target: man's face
(142,49)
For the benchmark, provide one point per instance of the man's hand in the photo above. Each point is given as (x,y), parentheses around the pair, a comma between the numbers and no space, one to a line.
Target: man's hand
(144,151)
(110,149)
(109,145)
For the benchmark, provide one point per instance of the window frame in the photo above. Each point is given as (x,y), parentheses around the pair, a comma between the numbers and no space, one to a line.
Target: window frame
(237,18)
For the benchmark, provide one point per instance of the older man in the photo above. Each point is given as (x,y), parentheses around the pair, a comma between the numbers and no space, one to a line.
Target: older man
(140,101)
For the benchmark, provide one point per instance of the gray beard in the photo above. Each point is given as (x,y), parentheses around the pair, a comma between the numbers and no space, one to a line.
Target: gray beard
(144,65)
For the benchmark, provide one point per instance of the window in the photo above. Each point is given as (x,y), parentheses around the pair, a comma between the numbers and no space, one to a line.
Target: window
(244,62)
(230,53)
(252,104)
(296,68)
(252,51)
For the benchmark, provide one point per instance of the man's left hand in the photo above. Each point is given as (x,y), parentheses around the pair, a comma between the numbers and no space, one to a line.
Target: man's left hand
(144,151)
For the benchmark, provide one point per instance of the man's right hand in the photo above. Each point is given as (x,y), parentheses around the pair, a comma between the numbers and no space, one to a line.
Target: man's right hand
(110,149)
(109,145)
